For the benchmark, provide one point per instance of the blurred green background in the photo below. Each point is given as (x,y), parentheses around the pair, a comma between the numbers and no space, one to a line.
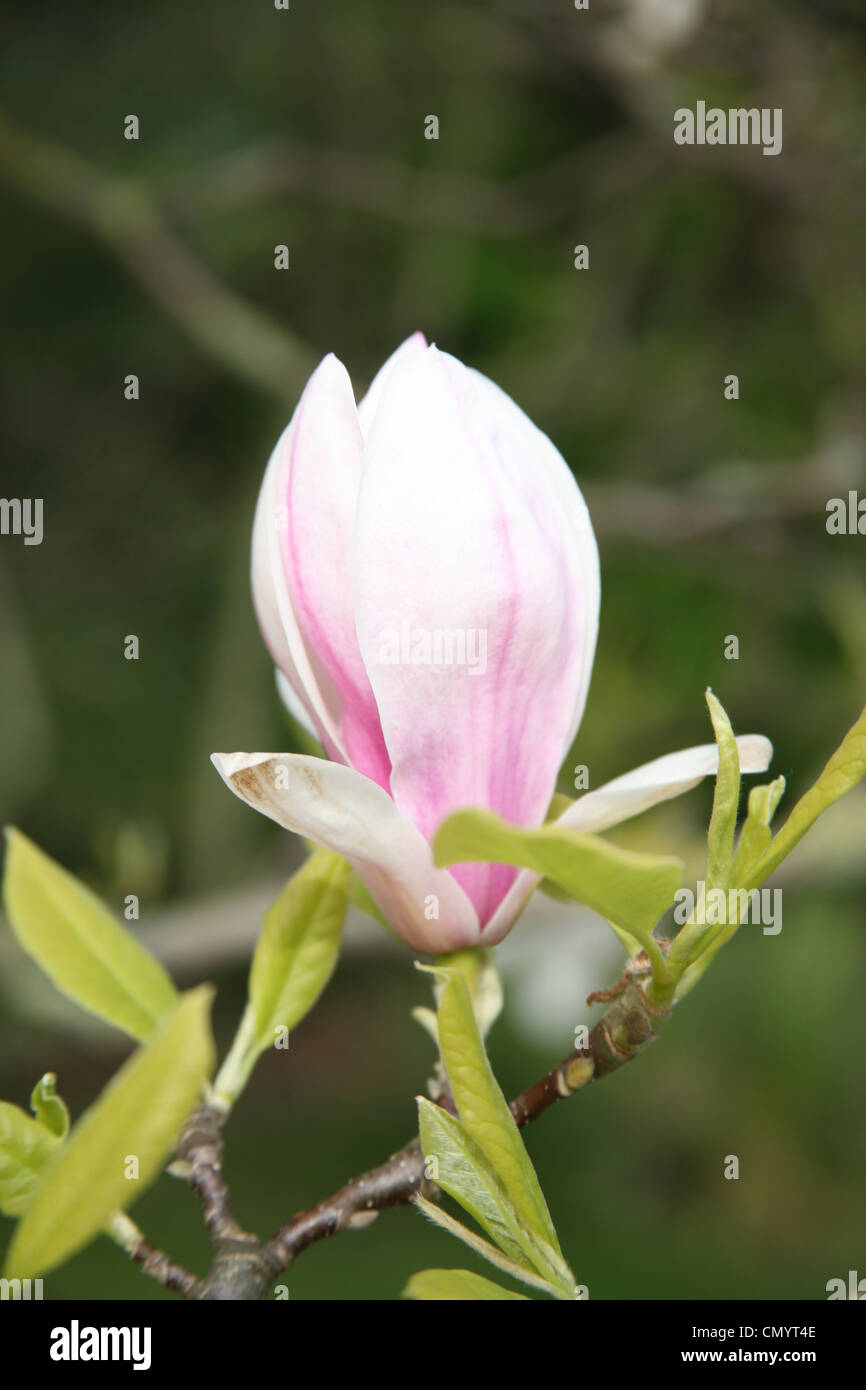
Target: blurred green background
(260,127)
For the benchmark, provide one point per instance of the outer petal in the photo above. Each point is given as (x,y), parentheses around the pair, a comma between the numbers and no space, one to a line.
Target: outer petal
(628,796)
(370,404)
(345,812)
(469,522)
(317,475)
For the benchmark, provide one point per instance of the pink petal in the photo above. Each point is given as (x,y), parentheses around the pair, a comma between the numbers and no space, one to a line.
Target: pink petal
(317,484)
(469,521)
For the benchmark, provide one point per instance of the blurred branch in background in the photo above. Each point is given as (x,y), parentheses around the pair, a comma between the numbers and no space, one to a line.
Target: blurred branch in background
(127,221)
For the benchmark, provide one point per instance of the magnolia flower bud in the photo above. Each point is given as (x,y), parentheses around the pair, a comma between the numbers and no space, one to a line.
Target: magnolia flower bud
(426,578)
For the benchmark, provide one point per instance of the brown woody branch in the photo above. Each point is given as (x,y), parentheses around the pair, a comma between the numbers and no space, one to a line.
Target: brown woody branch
(243,1268)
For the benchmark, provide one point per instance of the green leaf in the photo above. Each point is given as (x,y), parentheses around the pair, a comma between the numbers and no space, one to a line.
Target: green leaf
(843,771)
(48,1107)
(465,1172)
(756,835)
(139,1115)
(478,966)
(489,1252)
(726,800)
(293,961)
(451,1285)
(25,1148)
(298,947)
(79,944)
(483,1108)
(631,890)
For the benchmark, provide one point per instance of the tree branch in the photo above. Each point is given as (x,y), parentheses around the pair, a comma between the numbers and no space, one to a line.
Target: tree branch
(241,1268)
(627,1027)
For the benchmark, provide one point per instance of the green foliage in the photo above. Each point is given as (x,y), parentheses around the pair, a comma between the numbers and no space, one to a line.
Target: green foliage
(726,800)
(49,1109)
(446,1285)
(842,772)
(631,890)
(298,947)
(138,1117)
(480,1158)
(293,961)
(78,943)
(25,1148)
(756,835)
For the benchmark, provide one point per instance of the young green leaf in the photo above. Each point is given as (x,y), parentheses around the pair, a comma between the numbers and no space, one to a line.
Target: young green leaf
(25,1149)
(756,835)
(631,890)
(483,1108)
(138,1117)
(298,947)
(293,961)
(453,1285)
(723,822)
(48,1107)
(464,1171)
(843,771)
(79,944)
(478,965)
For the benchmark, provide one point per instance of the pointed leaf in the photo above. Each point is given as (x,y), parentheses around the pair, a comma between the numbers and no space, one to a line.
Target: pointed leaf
(487,1251)
(843,771)
(465,1172)
(78,943)
(26,1146)
(483,1108)
(298,947)
(450,1285)
(726,800)
(756,835)
(139,1115)
(631,890)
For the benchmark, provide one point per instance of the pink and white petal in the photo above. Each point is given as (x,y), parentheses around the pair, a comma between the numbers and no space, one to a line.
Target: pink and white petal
(345,812)
(523,437)
(467,524)
(318,486)
(627,796)
(273,605)
(323,478)
(369,405)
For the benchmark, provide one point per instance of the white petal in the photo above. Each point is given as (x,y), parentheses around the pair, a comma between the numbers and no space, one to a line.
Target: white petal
(347,813)
(370,404)
(660,780)
(628,796)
